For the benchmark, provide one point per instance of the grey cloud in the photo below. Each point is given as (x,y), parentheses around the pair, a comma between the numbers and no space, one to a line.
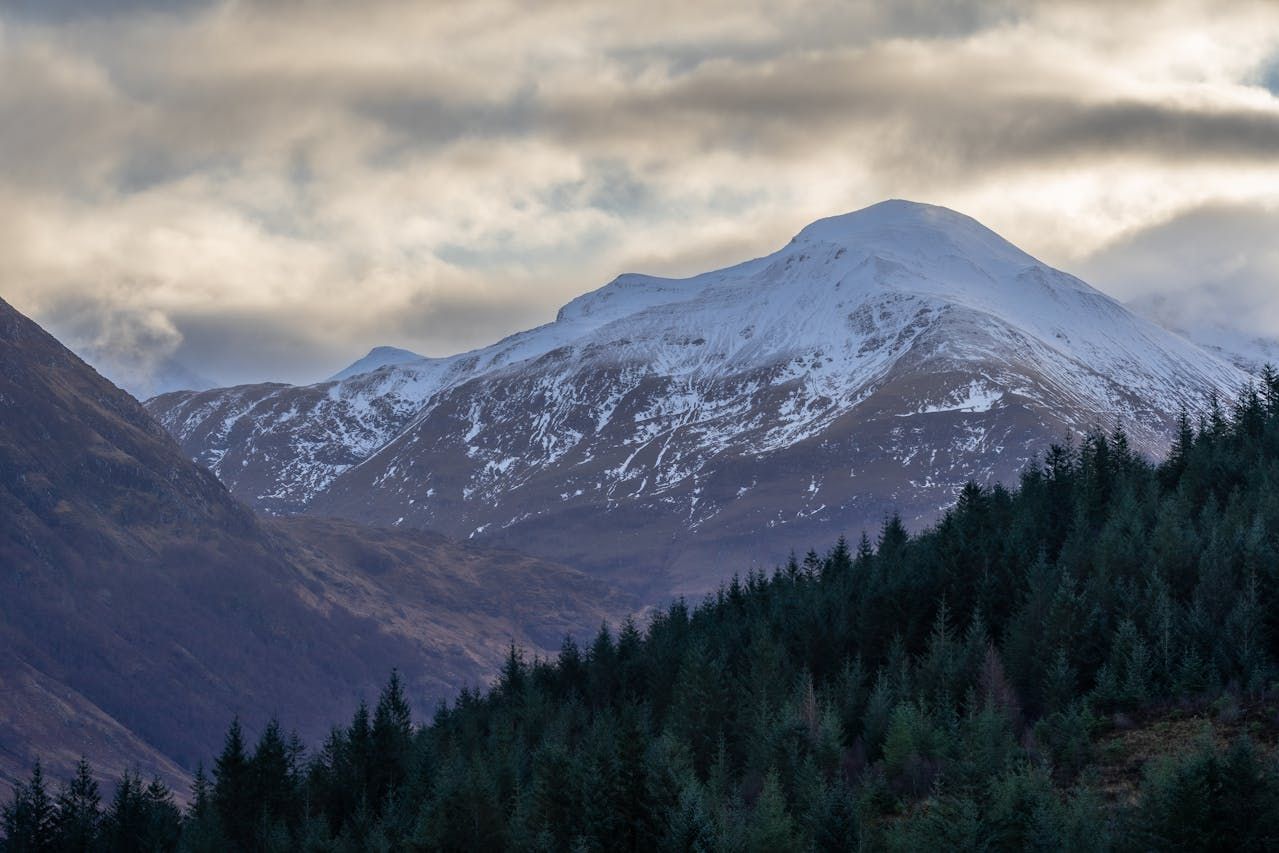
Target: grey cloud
(257,347)
(134,348)
(606,184)
(683,262)
(145,165)
(91,323)
(432,118)
(307,345)
(821,76)
(1217,265)
(60,118)
(825,26)
(53,11)
(901,109)
(343,175)
(956,115)
(452,322)
(1269,76)
(1138,129)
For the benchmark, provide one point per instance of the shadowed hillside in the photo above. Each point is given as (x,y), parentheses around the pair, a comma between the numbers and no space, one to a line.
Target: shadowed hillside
(140,604)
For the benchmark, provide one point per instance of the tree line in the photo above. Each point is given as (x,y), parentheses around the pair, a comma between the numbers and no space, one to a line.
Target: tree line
(945,690)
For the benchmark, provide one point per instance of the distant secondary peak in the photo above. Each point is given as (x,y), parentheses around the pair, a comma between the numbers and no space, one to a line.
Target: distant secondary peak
(383,352)
(378,357)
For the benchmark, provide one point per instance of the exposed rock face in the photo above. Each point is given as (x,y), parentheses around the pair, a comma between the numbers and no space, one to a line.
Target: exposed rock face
(141,606)
(669,432)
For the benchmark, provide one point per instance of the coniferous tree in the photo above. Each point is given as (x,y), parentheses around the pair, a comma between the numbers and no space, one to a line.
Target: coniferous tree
(698,709)
(633,800)
(601,668)
(201,828)
(569,666)
(79,820)
(233,790)
(771,827)
(163,819)
(357,757)
(126,825)
(392,736)
(272,780)
(29,820)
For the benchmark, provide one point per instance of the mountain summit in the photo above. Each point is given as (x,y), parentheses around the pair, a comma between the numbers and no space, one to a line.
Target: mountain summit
(915,227)
(672,431)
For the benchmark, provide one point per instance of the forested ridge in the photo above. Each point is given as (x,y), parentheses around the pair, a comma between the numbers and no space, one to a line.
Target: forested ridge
(941,691)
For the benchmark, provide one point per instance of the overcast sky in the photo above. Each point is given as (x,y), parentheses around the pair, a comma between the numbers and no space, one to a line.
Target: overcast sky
(264,190)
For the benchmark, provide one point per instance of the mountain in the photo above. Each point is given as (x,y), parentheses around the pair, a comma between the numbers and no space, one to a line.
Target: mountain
(665,432)
(377,358)
(141,605)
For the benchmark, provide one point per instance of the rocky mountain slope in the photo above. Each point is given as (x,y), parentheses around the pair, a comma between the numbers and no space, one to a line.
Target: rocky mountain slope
(668,432)
(133,584)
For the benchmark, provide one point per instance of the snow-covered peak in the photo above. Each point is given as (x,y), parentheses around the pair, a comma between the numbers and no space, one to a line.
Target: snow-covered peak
(377,358)
(898,246)
(886,217)
(914,230)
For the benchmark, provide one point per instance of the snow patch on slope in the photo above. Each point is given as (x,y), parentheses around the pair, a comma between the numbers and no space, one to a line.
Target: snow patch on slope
(975,397)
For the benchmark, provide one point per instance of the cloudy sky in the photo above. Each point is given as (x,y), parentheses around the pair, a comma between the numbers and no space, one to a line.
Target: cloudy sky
(266,188)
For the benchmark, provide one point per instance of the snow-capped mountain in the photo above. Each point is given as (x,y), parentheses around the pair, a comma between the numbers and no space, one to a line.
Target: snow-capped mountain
(677,430)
